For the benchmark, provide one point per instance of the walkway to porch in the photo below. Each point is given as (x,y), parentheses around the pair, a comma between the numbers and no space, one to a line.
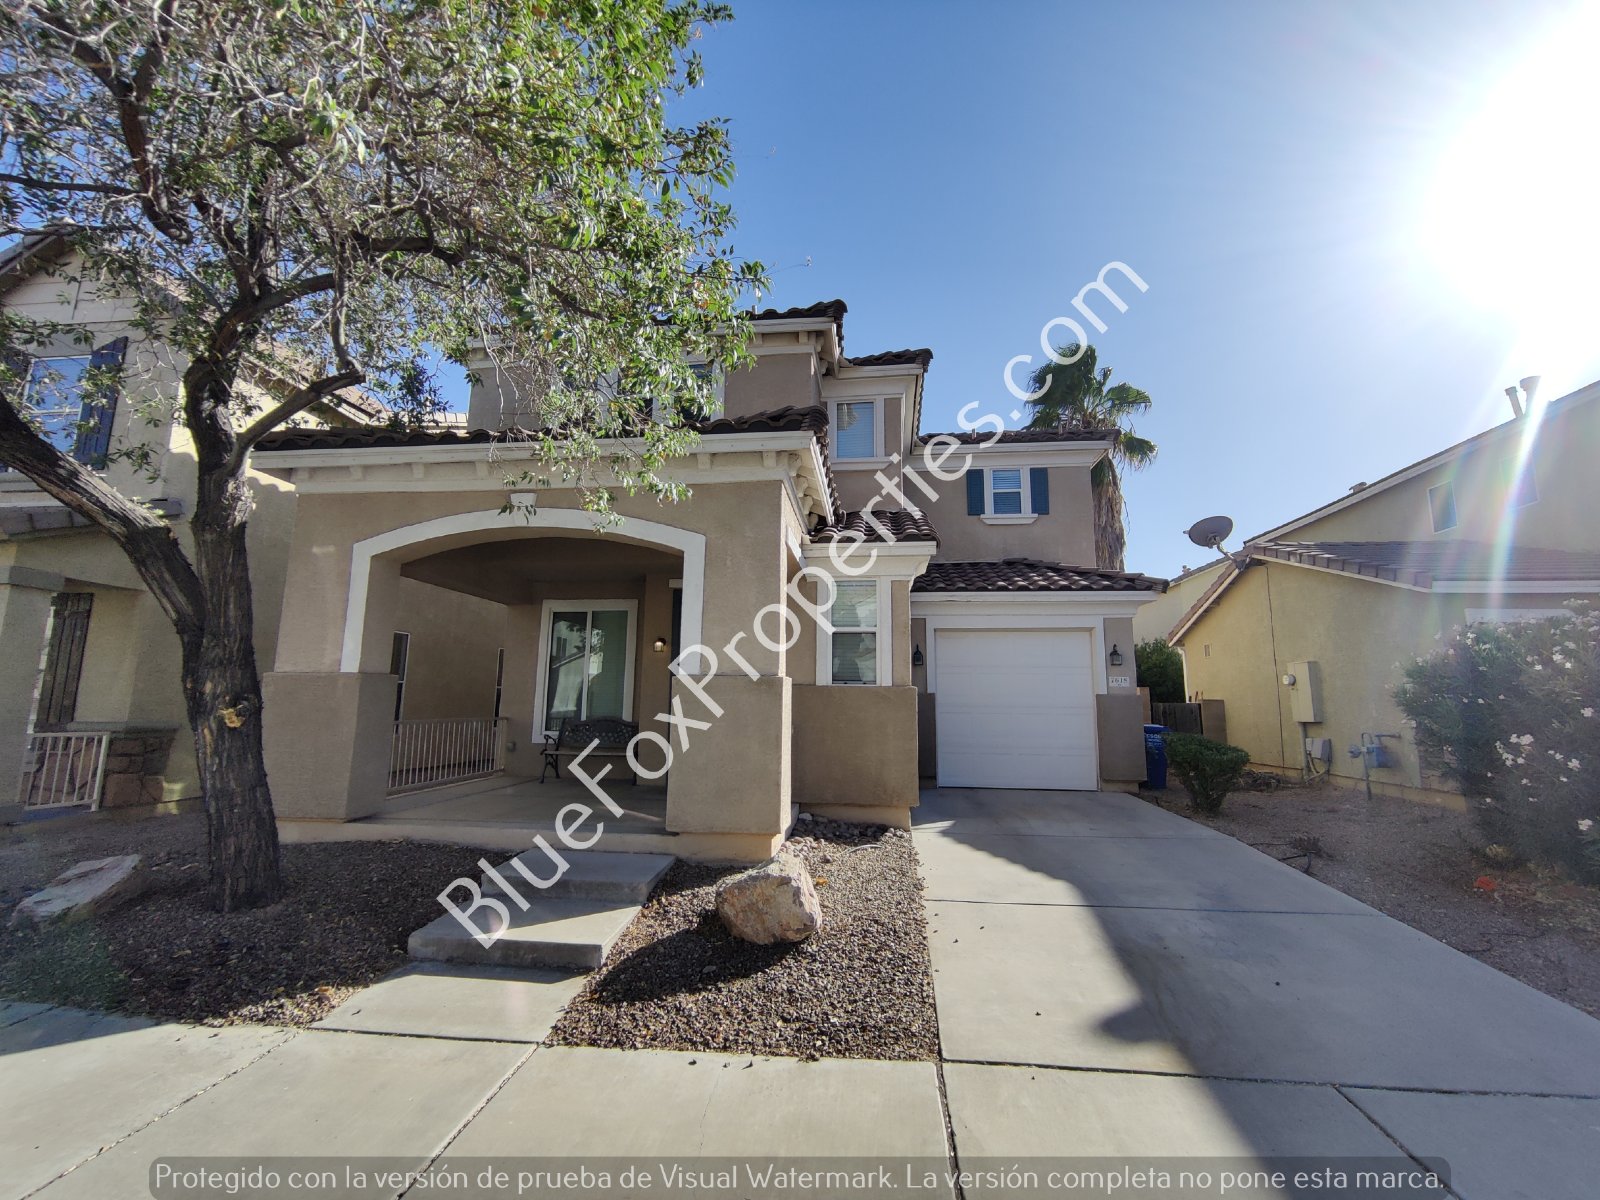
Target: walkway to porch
(503,812)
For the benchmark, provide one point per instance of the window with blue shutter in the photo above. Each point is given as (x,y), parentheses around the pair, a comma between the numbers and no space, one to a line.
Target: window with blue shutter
(100,407)
(1039,486)
(975,488)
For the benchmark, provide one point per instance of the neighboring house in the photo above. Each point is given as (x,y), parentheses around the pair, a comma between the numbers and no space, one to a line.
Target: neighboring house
(1500,527)
(91,705)
(971,649)
(1155,620)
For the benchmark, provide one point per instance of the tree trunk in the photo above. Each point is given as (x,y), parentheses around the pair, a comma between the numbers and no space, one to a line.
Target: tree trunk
(223,691)
(1110,540)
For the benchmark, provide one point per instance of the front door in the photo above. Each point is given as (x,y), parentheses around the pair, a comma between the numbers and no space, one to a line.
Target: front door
(588,668)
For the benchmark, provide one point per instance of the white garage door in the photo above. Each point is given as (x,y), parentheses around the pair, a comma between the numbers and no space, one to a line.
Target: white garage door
(1015,709)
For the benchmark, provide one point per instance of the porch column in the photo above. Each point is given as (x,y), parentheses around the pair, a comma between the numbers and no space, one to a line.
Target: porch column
(25,596)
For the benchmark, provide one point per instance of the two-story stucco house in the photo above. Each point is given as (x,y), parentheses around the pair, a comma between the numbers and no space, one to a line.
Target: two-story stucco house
(1303,634)
(967,639)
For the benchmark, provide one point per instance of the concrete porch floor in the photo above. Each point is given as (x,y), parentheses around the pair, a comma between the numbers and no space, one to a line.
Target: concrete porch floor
(504,812)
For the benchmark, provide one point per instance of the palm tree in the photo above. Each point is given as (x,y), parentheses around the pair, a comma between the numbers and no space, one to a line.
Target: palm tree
(1080,395)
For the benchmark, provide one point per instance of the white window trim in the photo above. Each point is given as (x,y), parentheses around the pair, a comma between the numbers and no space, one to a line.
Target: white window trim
(1027,516)
(884,629)
(541,681)
(1455,511)
(878,458)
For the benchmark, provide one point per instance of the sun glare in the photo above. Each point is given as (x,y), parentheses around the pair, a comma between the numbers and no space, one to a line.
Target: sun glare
(1510,214)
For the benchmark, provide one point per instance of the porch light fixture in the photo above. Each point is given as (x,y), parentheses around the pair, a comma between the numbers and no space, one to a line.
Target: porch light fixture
(916,656)
(1115,657)
(659,645)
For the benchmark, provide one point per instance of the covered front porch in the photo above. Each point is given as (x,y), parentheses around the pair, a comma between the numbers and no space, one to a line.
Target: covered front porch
(503,812)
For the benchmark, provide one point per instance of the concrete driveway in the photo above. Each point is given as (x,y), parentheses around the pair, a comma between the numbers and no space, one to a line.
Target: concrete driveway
(1116,986)
(1115,979)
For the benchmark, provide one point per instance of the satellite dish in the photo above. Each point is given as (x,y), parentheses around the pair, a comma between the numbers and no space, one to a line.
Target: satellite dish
(1211,532)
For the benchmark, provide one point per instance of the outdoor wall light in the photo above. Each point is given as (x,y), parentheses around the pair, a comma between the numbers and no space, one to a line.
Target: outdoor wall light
(916,656)
(659,645)
(1115,657)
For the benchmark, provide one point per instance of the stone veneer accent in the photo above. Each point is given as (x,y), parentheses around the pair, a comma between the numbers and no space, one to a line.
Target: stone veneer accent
(136,766)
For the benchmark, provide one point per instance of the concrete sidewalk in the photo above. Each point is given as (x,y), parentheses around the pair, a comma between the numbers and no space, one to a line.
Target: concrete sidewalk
(1114,979)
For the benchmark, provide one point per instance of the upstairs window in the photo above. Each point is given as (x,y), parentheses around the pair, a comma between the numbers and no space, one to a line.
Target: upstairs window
(1008,494)
(1442,506)
(855,429)
(67,415)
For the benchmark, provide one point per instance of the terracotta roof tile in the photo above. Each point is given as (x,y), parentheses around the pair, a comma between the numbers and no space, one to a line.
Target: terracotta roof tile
(1027,435)
(1421,563)
(833,310)
(894,358)
(1030,575)
(810,418)
(903,525)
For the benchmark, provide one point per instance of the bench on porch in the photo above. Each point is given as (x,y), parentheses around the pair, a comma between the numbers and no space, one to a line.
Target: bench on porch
(575,734)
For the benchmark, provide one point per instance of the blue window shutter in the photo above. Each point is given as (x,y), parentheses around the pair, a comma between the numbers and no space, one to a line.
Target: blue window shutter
(1039,482)
(100,410)
(974,491)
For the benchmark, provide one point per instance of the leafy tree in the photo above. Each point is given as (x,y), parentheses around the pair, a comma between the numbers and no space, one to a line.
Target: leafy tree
(1080,395)
(322,193)
(1161,670)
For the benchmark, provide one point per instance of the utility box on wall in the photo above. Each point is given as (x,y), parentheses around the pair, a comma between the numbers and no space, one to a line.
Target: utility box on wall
(1304,680)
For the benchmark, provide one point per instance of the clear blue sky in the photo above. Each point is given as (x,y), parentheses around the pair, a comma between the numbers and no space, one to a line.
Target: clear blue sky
(1358,221)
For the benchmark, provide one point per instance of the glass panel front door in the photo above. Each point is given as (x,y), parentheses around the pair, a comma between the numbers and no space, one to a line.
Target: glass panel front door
(587,675)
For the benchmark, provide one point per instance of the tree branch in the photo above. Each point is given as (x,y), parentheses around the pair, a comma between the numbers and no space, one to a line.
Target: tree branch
(148,541)
(297,403)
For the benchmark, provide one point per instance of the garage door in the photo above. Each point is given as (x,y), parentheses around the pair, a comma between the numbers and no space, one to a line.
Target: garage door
(1015,709)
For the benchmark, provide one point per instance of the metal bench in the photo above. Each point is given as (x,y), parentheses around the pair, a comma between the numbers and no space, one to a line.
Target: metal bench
(575,735)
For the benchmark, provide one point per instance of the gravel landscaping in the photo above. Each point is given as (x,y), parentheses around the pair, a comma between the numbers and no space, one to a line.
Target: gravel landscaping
(343,924)
(861,987)
(1420,864)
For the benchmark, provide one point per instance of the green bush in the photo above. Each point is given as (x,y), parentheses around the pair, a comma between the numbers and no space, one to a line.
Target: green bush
(1160,670)
(1510,712)
(1208,769)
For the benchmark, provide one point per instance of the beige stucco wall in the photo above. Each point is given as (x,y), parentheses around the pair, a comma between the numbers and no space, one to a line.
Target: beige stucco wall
(1154,621)
(1359,633)
(1562,463)
(855,746)
(773,380)
(1065,534)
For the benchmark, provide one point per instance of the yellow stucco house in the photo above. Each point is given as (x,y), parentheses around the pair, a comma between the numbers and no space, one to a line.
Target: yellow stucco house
(1302,635)
(424,643)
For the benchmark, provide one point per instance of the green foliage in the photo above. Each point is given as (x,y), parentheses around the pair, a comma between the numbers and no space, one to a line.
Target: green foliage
(296,192)
(1074,392)
(1208,769)
(1512,712)
(1161,670)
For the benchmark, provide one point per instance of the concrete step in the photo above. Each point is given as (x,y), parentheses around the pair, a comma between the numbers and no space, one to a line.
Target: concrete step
(590,875)
(553,932)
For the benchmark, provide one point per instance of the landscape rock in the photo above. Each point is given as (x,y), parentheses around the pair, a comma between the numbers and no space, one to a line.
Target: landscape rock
(81,891)
(775,902)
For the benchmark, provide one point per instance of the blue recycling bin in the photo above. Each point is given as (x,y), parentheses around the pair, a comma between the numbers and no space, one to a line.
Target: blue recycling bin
(1155,757)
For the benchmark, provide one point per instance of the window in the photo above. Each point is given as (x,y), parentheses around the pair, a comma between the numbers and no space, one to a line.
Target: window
(589,661)
(1442,506)
(1005,493)
(399,658)
(499,680)
(855,429)
(55,397)
(1008,495)
(853,649)
(57,704)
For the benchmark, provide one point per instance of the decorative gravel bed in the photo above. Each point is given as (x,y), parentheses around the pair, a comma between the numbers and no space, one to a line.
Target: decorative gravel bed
(861,987)
(343,924)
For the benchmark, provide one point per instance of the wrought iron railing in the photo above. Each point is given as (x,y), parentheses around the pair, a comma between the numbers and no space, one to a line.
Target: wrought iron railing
(430,753)
(63,770)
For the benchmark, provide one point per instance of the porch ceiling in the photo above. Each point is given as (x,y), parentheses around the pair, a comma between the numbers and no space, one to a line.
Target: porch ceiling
(509,571)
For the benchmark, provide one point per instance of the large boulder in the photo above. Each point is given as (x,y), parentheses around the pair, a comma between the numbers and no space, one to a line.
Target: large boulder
(85,889)
(775,902)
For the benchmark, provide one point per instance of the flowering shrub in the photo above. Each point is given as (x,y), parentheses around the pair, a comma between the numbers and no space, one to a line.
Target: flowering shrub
(1513,711)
